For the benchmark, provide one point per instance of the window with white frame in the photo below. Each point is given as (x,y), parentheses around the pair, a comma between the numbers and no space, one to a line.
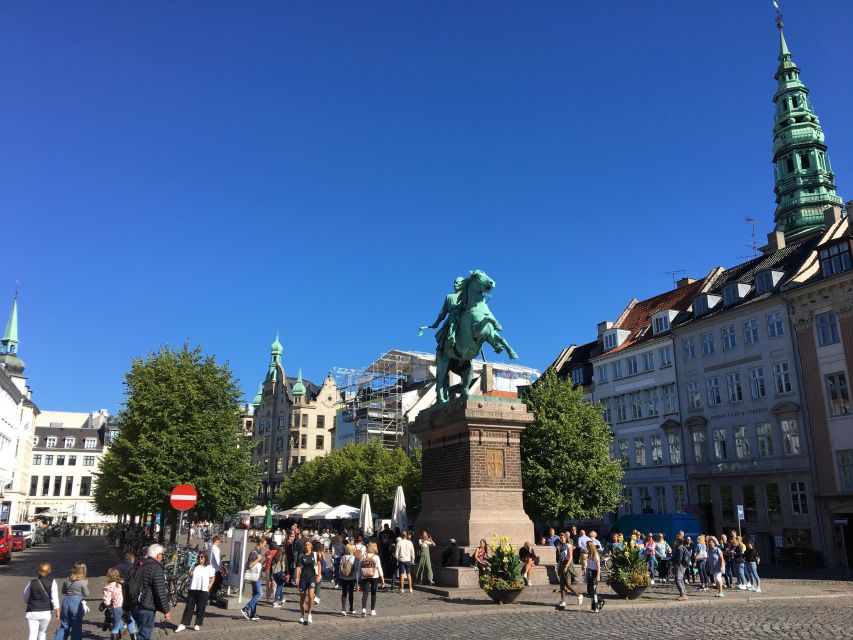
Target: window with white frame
(700,305)
(88,461)
(623,452)
(712,388)
(764,432)
(735,386)
(775,328)
(50,442)
(627,500)
(694,398)
(728,335)
(660,323)
(750,331)
(742,448)
(799,499)
(678,497)
(790,437)
(835,259)
(602,373)
(827,329)
(645,499)
(665,357)
(616,367)
(670,398)
(657,450)
(606,408)
(782,375)
(610,340)
(699,446)
(721,450)
(838,394)
(632,365)
(731,294)
(707,340)
(651,397)
(68,443)
(845,468)
(37,458)
(766,281)
(688,346)
(621,408)
(649,361)
(660,497)
(756,383)
(90,443)
(636,401)
(640,452)
(674,442)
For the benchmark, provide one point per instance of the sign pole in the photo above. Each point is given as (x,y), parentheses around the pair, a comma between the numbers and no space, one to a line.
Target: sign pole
(189,529)
(180,527)
(844,547)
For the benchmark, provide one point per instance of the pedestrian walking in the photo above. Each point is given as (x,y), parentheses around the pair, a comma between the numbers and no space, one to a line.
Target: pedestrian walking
(663,554)
(337,553)
(371,576)
(252,575)
(423,572)
(566,569)
(307,570)
(113,598)
(214,559)
(649,552)
(752,560)
(593,573)
(278,571)
(681,562)
(726,545)
(717,564)
(346,577)
(740,565)
(147,592)
(74,589)
(42,598)
(202,576)
(405,556)
(701,559)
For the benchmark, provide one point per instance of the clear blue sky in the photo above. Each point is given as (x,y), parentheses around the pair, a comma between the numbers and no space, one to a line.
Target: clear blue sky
(214,171)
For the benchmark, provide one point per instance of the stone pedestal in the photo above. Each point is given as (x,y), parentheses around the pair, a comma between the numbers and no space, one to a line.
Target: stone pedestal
(471,483)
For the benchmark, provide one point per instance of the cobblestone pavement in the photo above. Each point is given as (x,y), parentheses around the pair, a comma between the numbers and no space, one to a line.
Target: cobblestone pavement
(788,609)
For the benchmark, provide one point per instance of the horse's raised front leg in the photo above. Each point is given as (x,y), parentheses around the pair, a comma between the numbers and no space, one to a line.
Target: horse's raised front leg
(498,342)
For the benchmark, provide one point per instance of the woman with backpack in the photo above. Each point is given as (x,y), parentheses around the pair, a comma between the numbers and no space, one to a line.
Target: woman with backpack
(113,598)
(74,589)
(278,571)
(307,574)
(371,575)
(42,598)
(346,578)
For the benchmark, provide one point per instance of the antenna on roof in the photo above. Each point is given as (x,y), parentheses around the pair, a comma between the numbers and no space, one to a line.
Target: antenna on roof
(673,274)
(754,245)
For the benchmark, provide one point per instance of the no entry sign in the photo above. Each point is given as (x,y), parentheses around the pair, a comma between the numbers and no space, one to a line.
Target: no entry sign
(183,497)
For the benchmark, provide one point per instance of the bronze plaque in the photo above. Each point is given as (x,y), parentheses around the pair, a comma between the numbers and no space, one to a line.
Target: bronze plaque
(495,463)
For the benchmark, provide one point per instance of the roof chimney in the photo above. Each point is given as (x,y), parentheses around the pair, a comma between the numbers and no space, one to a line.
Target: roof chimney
(831,215)
(604,326)
(775,241)
(684,282)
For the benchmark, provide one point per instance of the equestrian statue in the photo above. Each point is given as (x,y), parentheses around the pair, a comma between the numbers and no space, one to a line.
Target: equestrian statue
(468,323)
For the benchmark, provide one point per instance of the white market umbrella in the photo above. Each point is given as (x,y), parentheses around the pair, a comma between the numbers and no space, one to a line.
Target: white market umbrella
(288,513)
(315,510)
(365,518)
(257,511)
(341,512)
(399,519)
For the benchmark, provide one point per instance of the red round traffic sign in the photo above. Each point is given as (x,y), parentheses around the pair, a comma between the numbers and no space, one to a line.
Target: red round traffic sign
(183,497)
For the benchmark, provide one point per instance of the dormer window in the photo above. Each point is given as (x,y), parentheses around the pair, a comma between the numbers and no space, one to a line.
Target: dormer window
(835,259)
(69,443)
(614,337)
(734,293)
(766,281)
(661,320)
(577,376)
(50,442)
(704,303)
(610,340)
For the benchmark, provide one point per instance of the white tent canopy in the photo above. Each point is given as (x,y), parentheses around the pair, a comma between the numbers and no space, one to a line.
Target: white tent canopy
(254,512)
(342,512)
(399,518)
(315,510)
(365,518)
(288,513)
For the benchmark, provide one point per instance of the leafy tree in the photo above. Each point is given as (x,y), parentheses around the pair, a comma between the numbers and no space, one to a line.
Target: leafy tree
(179,425)
(566,467)
(342,476)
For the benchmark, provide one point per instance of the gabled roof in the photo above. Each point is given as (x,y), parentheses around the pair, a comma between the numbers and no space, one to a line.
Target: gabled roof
(809,270)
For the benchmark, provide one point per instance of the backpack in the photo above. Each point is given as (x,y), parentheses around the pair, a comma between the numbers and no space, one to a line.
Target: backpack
(368,567)
(132,588)
(347,564)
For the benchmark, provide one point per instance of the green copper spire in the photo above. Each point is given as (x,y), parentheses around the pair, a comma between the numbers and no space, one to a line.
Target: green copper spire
(9,344)
(805,184)
(257,401)
(275,358)
(298,386)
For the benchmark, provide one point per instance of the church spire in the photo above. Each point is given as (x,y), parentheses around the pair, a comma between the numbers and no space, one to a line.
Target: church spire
(9,343)
(804,182)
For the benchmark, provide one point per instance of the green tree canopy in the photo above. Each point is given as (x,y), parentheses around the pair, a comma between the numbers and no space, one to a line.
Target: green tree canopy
(179,425)
(566,467)
(342,476)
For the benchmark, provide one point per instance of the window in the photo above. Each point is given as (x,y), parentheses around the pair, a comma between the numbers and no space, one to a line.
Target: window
(774,324)
(60,461)
(727,503)
(617,369)
(790,438)
(742,449)
(731,294)
(90,443)
(707,339)
(608,413)
(649,361)
(845,469)
(660,498)
(72,461)
(670,398)
(661,323)
(839,396)
(88,461)
(627,500)
(35,441)
(782,375)
(50,442)
(665,357)
(688,345)
(765,439)
(45,485)
(735,387)
(674,442)
(645,500)
(69,443)
(304,419)
(69,485)
(700,305)
(774,503)
(678,497)
(37,458)
(636,405)
(319,443)
(632,365)
(623,452)
(750,331)
(694,398)
(621,409)
(48,460)
(279,444)
(728,335)
(57,486)
(750,504)
(577,377)
(34,485)
(279,465)
(651,402)
(835,259)
(721,451)
(827,329)
(602,374)
(756,383)
(321,422)
(799,501)
(712,386)
(294,420)
(85,486)
(609,340)
(764,282)
(657,450)
(640,452)
(303,441)
(282,421)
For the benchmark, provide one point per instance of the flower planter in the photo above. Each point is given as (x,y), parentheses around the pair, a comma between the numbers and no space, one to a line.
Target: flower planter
(628,594)
(504,596)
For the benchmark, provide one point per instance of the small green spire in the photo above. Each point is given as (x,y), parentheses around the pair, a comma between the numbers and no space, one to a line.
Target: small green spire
(10,336)
(783,47)
(257,401)
(298,386)
(276,348)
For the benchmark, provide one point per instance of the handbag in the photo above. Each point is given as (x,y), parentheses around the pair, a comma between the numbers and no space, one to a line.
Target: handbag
(252,574)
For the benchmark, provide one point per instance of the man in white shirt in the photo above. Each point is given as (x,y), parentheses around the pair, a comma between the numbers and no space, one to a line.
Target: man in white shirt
(215,560)
(405,557)
(582,540)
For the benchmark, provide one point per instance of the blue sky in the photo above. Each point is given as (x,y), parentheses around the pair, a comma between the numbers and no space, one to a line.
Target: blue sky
(214,171)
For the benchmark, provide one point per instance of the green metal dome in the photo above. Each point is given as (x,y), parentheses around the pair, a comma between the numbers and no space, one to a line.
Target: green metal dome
(275,347)
(298,386)
(257,401)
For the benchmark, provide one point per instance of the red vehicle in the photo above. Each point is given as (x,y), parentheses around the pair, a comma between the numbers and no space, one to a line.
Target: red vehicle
(19,541)
(5,543)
